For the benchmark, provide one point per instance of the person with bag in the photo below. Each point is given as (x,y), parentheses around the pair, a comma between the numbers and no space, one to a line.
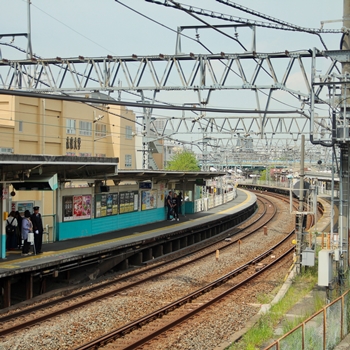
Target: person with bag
(38,230)
(11,231)
(27,227)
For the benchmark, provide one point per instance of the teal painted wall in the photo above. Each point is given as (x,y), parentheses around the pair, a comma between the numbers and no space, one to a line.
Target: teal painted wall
(189,207)
(91,227)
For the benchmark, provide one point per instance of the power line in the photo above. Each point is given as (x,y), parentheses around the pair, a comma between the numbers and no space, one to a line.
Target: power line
(230,18)
(136,104)
(283,25)
(161,24)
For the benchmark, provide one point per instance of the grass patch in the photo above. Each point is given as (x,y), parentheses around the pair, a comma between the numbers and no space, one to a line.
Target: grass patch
(263,330)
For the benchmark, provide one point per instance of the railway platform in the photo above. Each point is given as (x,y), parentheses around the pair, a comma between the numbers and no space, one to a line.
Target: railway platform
(138,244)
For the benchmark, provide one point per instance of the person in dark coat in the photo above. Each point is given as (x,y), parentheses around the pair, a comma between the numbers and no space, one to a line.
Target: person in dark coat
(169,204)
(38,230)
(11,231)
(175,208)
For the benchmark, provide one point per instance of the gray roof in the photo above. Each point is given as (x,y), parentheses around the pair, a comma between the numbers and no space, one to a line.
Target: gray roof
(22,167)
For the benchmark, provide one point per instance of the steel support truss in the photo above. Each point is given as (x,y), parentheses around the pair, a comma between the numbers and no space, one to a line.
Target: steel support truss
(260,75)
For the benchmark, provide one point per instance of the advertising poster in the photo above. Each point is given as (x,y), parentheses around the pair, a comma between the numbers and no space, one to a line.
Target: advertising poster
(114,203)
(76,207)
(106,204)
(86,206)
(122,203)
(97,206)
(131,202)
(68,208)
(109,204)
(23,206)
(103,209)
(136,201)
(128,202)
(81,207)
(148,200)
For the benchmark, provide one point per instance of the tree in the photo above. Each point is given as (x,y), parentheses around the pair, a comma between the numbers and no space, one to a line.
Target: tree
(183,161)
(263,175)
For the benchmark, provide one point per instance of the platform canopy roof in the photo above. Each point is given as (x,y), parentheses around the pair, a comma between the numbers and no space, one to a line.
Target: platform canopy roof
(22,168)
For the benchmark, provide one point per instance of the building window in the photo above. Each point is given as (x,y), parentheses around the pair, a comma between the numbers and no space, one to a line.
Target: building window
(85,128)
(70,124)
(100,130)
(128,161)
(128,132)
(20,126)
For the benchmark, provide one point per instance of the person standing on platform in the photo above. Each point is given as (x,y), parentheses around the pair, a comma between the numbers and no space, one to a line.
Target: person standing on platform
(11,231)
(27,227)
(175,208)
(169,204)
(38,230)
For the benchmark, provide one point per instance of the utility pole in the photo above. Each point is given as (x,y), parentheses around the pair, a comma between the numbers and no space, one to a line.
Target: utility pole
(29,34)
(344,153)
(299,224)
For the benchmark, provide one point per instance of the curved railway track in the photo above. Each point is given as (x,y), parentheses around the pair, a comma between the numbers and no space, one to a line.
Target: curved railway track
(218,290)
(34,315)
(267,212)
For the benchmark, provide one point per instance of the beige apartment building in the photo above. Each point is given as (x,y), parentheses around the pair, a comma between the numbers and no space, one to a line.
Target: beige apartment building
(36,126)
(52,127)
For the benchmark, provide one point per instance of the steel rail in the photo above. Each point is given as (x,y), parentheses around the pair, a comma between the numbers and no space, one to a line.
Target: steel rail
(118,289)
(187,299)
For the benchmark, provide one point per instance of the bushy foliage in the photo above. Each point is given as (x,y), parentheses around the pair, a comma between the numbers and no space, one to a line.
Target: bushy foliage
(183,161)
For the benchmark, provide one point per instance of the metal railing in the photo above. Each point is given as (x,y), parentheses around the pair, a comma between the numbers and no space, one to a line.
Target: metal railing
(212,201)
(323,330)
(49,224)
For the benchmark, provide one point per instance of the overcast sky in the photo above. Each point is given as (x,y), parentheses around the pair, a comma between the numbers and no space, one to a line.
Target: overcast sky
(68,28)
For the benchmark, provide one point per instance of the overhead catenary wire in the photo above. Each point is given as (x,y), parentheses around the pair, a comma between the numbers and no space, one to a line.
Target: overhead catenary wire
(161,24)
(287,26)
(283,24)
(177,5)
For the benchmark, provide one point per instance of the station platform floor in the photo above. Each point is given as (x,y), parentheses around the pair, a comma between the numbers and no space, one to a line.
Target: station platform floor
(63,251)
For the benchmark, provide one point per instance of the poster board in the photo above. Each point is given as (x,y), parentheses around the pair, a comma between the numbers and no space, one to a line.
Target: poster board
(148,200)
(76,207)
(128,202)
(106,204)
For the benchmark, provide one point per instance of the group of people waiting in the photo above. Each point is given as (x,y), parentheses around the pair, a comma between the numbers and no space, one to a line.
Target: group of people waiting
(20,231)
(173,202)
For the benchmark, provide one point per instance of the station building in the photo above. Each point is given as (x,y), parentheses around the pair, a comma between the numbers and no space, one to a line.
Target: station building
(78,163)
